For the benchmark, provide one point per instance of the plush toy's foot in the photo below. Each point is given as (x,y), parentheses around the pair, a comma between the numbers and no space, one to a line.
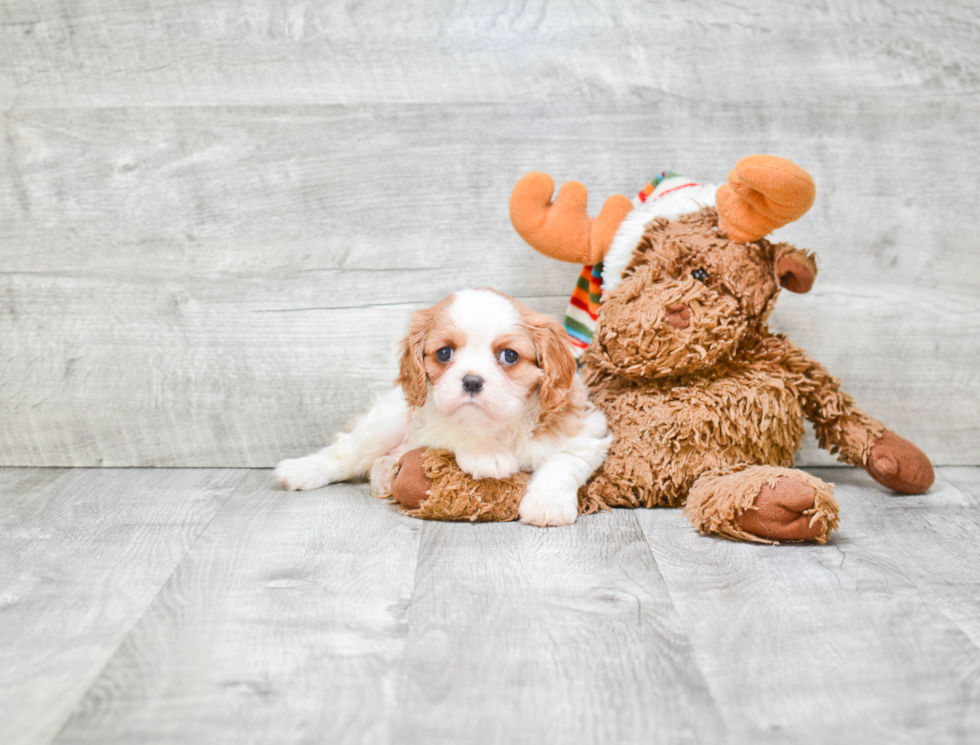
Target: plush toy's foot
(898,464)
(783,512)
(763,504)
(409,485)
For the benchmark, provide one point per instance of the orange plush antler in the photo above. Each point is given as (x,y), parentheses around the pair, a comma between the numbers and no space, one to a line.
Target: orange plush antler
(763,193)
(563,229)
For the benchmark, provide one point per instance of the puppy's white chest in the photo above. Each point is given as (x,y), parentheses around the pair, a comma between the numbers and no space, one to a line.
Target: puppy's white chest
(470,434)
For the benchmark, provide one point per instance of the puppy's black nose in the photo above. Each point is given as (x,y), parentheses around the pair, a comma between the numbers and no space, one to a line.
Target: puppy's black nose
(472,383)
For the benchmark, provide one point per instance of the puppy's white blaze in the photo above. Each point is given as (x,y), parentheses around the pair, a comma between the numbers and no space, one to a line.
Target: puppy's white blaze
(484,314)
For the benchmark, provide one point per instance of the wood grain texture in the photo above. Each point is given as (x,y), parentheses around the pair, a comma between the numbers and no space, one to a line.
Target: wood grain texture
(935,534)
(187,373)
(146,606)
(221,52)
(522,635)
(172,175)
(870,638)
(82,554)
(967,480)
(285,623)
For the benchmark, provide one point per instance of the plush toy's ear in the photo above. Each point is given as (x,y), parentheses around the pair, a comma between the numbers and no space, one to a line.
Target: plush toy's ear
(795,268)
(411,366)
(563,229)
(555,359)
(763,193)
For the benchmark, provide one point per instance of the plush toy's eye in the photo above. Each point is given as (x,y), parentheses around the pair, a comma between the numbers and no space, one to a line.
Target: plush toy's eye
(508,357)
(700,275)
(444,354)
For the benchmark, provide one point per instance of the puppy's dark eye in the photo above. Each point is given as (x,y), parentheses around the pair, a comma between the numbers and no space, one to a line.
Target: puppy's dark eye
(700,275)
(444,354)
(508,357)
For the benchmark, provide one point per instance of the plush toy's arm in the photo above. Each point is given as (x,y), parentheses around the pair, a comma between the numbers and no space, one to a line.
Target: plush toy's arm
(841,427)
(844,429)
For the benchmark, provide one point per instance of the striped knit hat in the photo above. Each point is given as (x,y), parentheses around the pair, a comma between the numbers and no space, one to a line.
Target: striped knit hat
(667,196)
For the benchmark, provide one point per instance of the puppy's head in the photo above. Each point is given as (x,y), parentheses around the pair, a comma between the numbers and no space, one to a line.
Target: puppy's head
(480,353)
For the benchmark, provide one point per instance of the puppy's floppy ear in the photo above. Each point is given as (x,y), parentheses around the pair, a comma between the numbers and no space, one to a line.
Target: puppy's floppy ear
(554,357)
(411,367)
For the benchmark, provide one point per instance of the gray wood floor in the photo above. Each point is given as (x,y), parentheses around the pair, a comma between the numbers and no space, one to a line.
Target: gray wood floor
(206,606)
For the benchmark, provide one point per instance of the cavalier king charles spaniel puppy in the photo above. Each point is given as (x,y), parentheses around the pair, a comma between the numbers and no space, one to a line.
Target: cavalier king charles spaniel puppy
(493,382)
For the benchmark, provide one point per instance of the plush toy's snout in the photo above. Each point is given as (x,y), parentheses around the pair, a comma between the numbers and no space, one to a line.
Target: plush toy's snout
(679,315)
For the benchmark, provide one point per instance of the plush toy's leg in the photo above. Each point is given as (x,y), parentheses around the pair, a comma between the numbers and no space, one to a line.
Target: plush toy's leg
(429,484)
(763,504)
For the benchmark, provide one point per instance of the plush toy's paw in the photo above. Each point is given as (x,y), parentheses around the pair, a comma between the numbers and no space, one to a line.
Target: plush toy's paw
(548,507)
(898,464)
(382,472)
(300,474)
(410,486)
(763,504)
(498,465)
(784,512)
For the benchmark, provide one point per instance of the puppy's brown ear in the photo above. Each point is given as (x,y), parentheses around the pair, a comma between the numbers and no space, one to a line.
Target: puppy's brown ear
(411,366)
(554,357)
(795,268)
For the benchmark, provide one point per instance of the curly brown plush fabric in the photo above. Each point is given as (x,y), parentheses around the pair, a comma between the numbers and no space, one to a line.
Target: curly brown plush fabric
(449,493)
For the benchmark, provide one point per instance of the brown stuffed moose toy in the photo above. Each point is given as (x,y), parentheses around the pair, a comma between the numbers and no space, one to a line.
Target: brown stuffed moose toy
(705,404)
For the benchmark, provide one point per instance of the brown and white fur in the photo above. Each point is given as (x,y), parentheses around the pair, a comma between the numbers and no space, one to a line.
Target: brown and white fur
(504,397)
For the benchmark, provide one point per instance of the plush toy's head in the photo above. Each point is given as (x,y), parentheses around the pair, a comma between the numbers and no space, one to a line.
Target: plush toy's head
(689,296)
(683,282)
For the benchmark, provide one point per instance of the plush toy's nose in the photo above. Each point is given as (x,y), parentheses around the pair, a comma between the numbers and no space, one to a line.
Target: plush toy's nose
(678,315)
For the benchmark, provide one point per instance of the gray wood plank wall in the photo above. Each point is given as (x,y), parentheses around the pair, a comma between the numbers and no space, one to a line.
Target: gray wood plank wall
(216,216)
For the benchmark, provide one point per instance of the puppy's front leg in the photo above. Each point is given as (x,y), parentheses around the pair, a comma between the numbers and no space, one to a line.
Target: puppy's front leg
(377,433)
(552,496)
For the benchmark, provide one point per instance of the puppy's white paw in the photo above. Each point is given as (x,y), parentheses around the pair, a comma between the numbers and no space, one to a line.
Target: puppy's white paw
(497,465)
(381,474)
(548,507)
(300,474)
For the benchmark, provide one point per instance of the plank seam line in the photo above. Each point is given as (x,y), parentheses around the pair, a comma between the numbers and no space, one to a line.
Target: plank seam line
(124,636)
(969,496)
(719,709)
(400,669)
